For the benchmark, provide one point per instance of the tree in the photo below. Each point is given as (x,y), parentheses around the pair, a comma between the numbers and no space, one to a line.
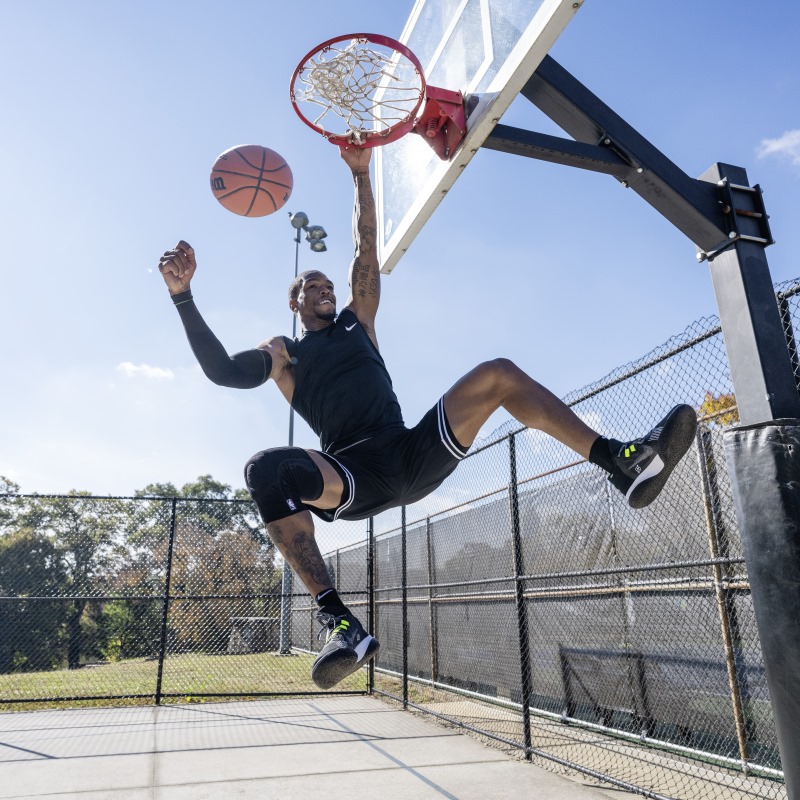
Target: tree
(720,409)
(30,630)
(84,530)
(104,561)
(8,501)
(219,548)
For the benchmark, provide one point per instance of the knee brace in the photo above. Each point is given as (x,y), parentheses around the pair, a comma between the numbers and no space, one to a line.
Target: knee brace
(279,479)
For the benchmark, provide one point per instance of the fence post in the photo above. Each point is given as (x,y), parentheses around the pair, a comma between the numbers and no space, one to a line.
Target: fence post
(371,595)
(729,624)
(570,706)
(643,716)
(404,582)
(162,650)
(431,609)
(635,677)
(522,610)
(285,642)
(788,332)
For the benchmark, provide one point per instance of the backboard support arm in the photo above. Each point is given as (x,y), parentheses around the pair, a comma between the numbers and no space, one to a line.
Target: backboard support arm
(719,219)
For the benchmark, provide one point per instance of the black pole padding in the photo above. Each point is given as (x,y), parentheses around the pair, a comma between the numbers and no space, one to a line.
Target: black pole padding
(764,464)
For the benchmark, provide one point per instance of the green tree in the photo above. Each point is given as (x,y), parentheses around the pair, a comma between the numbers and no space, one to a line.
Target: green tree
(30,630)
(86,532)
(8,502)
(219,548)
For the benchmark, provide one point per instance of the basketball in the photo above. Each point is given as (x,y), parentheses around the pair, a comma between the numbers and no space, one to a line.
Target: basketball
(251,180)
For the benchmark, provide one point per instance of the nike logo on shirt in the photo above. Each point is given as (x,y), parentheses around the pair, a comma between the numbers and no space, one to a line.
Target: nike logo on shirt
(351,327)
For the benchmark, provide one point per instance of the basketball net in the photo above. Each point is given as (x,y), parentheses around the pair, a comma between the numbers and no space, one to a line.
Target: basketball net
(369,91)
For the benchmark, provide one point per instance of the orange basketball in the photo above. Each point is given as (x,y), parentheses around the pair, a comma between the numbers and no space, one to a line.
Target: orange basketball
(251,180)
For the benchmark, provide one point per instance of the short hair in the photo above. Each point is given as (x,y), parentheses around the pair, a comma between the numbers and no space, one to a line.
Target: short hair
(297,284)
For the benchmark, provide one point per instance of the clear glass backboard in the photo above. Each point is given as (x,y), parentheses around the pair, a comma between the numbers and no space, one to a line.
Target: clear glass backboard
(486,49)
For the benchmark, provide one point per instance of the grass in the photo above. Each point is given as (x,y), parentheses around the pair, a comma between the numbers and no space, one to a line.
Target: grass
(189,676)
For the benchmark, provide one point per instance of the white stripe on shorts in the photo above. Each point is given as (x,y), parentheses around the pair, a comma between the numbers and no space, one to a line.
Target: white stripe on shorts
(447,440)
(351,483)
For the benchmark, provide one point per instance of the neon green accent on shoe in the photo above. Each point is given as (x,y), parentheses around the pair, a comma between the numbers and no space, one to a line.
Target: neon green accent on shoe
(342,626)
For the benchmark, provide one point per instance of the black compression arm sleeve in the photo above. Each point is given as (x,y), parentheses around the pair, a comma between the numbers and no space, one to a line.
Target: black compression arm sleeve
(244,370)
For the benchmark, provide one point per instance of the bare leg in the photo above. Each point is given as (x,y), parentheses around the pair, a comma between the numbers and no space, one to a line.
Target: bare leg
(294,535)
(294,538)
(500,383)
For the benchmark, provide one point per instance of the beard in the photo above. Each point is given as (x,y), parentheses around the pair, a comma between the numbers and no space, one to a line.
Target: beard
(328,316)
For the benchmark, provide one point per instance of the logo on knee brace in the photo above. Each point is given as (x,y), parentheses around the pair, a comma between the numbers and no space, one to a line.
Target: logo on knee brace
(292,506)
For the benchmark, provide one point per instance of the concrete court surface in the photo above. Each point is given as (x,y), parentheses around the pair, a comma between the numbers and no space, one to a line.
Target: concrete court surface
(293,749)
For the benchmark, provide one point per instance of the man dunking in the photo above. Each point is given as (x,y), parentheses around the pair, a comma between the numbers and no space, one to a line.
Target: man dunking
(368,461)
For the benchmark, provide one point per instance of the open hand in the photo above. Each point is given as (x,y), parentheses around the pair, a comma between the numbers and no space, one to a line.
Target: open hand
(177,267)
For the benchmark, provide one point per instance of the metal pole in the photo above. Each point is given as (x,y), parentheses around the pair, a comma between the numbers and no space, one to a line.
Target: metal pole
(708,471)
(371,593)
(404,582)
(431,608)
(791,342)
(764,452)
(167,588)
(522,608)
(285,643)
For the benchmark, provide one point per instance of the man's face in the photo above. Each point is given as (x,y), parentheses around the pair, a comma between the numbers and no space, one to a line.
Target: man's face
(316,298)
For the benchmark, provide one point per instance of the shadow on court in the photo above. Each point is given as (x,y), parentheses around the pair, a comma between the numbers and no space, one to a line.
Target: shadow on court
(331,747)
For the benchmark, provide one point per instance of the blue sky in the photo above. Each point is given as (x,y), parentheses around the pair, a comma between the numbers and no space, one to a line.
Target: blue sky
(113,113)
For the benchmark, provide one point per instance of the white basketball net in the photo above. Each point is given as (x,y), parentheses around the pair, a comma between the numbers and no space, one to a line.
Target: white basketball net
(367,90)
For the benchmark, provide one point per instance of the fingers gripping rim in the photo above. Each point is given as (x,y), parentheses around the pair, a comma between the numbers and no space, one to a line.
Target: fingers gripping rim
(356,95)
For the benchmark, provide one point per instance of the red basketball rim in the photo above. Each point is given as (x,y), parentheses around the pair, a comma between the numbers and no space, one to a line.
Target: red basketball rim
(371,138)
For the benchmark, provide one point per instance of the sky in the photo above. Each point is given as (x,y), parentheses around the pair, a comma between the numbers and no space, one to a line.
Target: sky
(113,113)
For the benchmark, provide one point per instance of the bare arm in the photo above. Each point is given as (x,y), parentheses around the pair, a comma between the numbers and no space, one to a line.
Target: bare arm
(365,275)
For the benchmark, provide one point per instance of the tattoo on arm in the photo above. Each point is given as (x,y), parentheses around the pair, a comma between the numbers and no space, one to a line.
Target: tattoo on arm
(365,276)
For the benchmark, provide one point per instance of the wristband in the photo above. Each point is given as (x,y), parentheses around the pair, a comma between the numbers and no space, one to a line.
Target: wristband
(182,297)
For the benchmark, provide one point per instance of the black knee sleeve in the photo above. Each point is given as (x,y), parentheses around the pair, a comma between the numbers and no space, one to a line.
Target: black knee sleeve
(279,479)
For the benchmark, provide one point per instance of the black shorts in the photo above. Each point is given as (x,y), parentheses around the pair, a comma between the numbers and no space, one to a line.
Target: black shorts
(396,467)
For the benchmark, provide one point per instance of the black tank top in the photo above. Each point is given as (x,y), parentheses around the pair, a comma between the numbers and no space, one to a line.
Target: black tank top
(341,386)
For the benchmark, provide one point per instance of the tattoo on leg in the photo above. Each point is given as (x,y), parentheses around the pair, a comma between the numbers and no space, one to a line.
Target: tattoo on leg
(303,553)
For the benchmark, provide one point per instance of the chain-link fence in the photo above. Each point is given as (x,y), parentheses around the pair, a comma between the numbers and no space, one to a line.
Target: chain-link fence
(549,616)
(524,600)
(137,599)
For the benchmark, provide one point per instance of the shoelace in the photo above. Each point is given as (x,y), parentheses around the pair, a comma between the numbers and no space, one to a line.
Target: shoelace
(331,624)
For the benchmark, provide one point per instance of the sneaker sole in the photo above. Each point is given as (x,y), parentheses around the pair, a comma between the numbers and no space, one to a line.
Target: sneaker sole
(341,663)
(679,428)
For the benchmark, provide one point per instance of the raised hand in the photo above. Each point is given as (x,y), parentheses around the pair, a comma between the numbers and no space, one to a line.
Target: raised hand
(357,158)
(177,266)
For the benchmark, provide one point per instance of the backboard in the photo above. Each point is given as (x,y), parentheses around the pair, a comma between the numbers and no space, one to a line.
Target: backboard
(486,49)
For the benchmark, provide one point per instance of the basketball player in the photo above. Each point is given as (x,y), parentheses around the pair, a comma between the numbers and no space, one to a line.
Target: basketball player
(368,461)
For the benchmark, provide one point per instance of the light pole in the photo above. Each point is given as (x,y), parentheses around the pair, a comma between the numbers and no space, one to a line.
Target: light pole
(315,234)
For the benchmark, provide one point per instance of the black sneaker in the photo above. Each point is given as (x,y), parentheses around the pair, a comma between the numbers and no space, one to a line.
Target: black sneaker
(641,467)
(347,648)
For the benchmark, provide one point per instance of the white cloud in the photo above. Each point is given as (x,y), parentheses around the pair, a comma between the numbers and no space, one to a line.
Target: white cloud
(144,370)
(785,146)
